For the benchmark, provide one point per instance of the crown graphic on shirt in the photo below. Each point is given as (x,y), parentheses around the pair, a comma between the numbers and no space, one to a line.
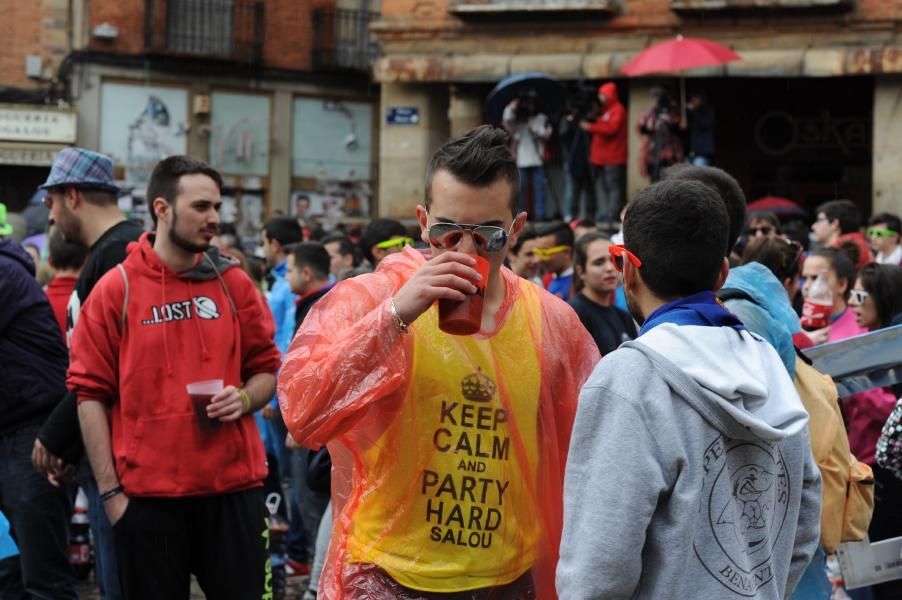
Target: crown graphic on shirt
(478,388)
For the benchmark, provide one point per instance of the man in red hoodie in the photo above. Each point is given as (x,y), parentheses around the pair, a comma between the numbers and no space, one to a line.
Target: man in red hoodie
(607,154)
(180,480)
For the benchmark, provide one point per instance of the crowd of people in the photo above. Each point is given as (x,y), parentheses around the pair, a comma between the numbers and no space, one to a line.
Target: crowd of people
(593,140)
(632,417)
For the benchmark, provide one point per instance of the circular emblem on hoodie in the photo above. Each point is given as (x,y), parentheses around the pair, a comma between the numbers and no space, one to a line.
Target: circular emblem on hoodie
(744,504)
(206,308)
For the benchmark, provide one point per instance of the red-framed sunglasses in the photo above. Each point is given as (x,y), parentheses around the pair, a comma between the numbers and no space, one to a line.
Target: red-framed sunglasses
(617,252)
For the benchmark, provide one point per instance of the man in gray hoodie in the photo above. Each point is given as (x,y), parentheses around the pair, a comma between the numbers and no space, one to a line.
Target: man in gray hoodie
(690,474)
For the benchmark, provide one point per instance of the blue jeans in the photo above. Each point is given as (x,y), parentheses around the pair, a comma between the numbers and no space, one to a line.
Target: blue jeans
(610,185)
(814,584)
(575,189)
(106,570)
(537,176)
(39,515)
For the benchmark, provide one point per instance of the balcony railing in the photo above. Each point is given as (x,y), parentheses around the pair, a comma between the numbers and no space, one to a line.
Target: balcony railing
(342,40)
(536,7)
(727,5)
(219,29)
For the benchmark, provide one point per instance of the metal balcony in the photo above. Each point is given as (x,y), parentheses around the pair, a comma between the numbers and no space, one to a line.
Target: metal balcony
(229,30)
(342,40)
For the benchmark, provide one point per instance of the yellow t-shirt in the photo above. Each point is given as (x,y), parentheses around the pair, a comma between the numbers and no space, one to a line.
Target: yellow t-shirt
(455,471)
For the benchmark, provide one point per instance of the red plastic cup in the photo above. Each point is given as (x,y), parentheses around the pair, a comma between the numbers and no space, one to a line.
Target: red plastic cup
(465,318)
(201,393)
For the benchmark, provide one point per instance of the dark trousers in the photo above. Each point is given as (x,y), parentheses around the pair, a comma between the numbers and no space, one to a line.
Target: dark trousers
(310,504)
(38,515)
(365,582)
(223,540)
(610,186)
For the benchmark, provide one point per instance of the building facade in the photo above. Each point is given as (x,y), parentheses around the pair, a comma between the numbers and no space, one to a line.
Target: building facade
(812,112)
(275,94)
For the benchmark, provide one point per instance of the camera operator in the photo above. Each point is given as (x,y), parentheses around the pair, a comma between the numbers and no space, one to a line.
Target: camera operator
(662,145)
(529,130)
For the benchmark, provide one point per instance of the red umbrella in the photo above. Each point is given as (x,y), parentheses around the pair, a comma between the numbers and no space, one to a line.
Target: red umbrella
(776,205)
(677,55)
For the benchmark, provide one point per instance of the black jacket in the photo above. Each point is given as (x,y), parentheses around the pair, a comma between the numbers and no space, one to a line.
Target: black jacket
(34,358)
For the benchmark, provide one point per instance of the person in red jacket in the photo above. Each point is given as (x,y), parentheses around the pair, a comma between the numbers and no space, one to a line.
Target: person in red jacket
(607,154)
(66,259)
(180,479)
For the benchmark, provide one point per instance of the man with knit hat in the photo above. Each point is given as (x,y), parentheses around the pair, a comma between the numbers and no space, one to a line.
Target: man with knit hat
(607,155)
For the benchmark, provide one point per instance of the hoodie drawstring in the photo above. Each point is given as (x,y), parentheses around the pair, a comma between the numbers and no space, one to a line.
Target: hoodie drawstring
(165,341)
(200,331)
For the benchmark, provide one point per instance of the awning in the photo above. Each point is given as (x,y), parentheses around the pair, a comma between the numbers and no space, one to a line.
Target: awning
(24,154)
(808,62)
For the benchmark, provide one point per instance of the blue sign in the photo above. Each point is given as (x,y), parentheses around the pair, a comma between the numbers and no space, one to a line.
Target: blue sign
(402,115)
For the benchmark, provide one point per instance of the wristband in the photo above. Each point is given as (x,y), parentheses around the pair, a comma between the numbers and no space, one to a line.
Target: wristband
(113,492)
(399,323)
(245,401)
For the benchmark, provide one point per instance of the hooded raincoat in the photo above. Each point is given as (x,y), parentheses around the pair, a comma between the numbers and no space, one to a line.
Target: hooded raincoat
(448,451)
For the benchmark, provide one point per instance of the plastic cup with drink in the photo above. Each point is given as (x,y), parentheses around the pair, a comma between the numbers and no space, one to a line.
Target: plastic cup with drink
(201,393)
(818,305)
(465,318)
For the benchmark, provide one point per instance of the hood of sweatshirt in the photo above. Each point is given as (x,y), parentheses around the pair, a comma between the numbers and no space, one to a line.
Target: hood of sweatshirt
(210,264)
(770,313)
(610,93)
(734,379)
(15,252)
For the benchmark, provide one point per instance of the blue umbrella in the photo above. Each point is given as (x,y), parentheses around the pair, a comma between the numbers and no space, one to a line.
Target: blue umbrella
(549,94)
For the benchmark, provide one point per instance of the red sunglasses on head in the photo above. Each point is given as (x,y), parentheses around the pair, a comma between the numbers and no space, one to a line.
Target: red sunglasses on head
(617,252)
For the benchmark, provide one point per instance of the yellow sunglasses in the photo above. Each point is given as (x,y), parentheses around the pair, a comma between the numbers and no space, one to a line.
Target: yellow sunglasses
(546,253)
(400,241)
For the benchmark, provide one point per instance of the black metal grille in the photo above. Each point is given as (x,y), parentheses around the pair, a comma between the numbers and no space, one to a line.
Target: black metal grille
(342,40)
(224,29)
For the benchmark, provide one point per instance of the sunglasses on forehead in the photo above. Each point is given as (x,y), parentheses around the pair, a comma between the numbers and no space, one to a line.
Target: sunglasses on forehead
(395,242)
(617,252)
(880,232)
(487,238)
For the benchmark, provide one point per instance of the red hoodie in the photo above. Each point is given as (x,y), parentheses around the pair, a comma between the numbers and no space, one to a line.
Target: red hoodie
(864,252)
(207,323)
(609,132)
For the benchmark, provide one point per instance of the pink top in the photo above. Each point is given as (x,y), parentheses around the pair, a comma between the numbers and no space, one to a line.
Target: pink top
(865,412)
(844,326)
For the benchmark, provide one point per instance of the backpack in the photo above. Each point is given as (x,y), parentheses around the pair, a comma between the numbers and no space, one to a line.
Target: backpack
(847,484)
(847,488)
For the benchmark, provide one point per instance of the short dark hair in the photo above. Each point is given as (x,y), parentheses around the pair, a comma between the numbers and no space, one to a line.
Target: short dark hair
(890,220)
(563,235)
(781,256)
(840,263)
(525,236)
(164,181)
(843,210)
(313,255)
(726,187)
(478,158)
(377,231)
(285,230)
(345,247)
(678,229)
(581,255)
(91,195)
(65,254)
(884,284)
(762,215)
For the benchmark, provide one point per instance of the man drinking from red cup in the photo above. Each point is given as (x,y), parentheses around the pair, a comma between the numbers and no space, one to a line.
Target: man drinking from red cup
(448,448)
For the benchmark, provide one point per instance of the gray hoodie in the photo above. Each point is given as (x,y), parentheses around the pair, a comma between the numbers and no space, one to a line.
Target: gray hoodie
(690,474)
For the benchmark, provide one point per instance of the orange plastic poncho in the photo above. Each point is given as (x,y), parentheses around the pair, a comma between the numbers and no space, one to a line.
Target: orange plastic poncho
(448,452)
